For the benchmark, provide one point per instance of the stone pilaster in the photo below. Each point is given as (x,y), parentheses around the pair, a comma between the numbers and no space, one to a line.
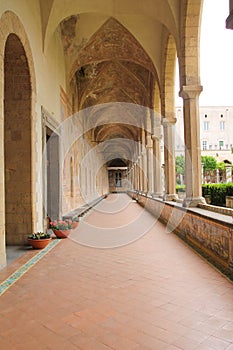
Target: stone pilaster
(190,95)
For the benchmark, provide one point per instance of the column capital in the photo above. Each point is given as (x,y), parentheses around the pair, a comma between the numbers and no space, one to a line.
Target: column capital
(149,143)
(156,137)
(168,121)
(190,91)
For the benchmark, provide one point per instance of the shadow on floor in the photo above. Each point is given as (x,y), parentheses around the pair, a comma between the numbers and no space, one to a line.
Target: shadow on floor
(13,252)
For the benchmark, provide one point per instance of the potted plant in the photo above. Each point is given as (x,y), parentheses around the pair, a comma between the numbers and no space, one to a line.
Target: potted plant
(61,228)
(39,240)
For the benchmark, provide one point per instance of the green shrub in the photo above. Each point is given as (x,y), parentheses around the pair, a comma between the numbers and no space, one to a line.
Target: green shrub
(218,192)
(205,190)
(180,188)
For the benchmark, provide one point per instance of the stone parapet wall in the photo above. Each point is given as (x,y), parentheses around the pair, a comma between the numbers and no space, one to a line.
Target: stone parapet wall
(211,237)
(229,203)
(216,209)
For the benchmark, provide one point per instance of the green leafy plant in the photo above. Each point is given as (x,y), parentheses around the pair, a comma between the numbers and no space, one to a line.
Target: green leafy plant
(39,235)
(221,165)
(218,192)
(210,163)
(180,188)
(180,165)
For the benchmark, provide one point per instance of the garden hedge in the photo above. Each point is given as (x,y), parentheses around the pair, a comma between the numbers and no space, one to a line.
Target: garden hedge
(218,192)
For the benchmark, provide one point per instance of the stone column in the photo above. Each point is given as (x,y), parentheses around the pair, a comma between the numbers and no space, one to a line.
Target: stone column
(140,166)
(130,179)
(144,163)
(202,173)
(140,173)
(134,177)
(157,166)
(228,173)
(150,170)
(169,159)
(190,95)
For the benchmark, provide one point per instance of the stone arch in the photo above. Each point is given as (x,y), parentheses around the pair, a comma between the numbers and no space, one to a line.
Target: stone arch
(11,25)
(190,46)
(168,96)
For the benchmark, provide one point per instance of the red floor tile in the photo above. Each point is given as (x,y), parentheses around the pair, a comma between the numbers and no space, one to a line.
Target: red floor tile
(154,293)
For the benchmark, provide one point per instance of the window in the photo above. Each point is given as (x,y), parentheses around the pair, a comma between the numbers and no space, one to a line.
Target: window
(221,144)
(205,115)
(226,146)
(210,146)
(206,126)
(118,181)
(204,145)
(221,115)
(222,125)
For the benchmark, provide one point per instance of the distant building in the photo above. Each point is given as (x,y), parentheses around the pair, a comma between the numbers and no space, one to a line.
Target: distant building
(216,135)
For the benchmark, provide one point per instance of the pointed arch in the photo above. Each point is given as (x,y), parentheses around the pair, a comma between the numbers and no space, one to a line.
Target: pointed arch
(190,43)
(168,96)
(12,29)
(112,39)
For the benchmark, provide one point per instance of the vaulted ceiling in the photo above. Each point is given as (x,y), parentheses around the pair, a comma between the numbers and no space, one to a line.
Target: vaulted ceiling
(111,67)
(115,58)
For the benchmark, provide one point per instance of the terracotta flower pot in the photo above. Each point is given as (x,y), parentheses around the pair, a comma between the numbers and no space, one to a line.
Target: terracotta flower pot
(61,233)
(75,224)
(39,243)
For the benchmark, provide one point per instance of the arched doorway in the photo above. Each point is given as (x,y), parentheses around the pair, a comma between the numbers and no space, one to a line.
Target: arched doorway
(17,142)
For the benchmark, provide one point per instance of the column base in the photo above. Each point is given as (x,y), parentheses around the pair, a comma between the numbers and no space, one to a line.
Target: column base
(193,201)
(170,197)
(157,195)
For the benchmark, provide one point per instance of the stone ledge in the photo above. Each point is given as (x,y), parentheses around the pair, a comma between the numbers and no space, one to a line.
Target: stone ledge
(81,210)
(216,209)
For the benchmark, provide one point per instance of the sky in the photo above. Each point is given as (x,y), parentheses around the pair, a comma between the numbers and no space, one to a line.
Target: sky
(216,56)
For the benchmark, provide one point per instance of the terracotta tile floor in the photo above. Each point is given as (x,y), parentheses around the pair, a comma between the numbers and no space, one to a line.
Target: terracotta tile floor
(154,293)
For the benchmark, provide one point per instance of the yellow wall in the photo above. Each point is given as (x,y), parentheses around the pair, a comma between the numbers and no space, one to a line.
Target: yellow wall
(49,67)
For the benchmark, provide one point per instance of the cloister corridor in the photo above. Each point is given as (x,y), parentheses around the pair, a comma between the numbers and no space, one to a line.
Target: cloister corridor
(137,287)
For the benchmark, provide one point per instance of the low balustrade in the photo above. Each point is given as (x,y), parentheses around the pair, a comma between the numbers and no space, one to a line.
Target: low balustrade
(211,234)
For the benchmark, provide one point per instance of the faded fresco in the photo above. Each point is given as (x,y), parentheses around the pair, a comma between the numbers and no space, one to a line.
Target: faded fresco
(209,234)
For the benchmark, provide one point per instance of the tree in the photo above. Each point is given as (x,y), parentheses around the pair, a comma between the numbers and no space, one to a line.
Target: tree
(221,166)
(210,163)
(180,165)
